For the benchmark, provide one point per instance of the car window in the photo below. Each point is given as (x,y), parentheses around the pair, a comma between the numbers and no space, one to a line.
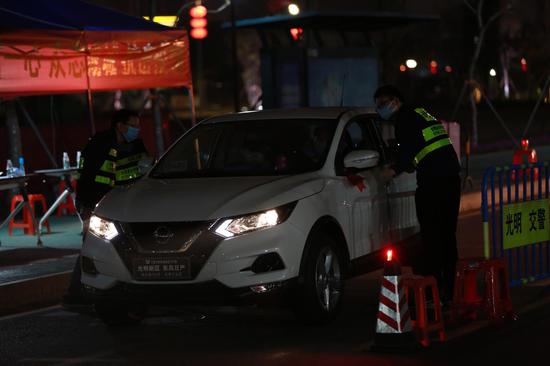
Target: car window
(244,148)
(357,135)
(195,154)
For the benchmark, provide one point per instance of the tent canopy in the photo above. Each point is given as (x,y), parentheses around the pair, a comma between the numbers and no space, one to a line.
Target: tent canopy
(68,46)
(69,15)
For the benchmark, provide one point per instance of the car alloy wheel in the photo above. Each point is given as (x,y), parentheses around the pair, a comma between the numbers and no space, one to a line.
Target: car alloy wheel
(317,298)
(328,278)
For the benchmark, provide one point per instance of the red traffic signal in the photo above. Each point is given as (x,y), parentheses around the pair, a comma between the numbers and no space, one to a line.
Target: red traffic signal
(296,33)
(523,64)
(433,67)
(198,11)
(198,22)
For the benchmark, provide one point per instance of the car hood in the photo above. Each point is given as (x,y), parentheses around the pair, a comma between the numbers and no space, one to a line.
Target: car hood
(199,199)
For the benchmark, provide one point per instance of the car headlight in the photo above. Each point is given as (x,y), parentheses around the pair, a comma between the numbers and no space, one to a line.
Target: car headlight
(260,220)
(102,228)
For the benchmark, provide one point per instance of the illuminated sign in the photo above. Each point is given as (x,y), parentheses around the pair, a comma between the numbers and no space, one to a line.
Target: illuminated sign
(525,223)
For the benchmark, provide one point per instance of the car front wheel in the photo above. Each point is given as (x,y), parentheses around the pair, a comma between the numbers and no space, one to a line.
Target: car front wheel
(318,298)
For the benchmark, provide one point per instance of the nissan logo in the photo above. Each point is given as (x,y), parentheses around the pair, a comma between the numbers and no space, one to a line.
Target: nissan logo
(163,235)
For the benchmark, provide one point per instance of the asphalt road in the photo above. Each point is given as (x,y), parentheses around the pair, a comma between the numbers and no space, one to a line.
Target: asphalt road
(272,336)
(260,336)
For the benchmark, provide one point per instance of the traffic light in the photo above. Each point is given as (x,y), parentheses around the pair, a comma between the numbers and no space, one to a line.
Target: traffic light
(296,33)
(433,67)
(198,22)
(523,64)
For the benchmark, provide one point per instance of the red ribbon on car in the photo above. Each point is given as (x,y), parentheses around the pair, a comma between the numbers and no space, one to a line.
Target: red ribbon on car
(357,180)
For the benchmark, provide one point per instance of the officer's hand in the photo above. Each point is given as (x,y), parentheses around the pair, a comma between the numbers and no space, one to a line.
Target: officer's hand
(387,174)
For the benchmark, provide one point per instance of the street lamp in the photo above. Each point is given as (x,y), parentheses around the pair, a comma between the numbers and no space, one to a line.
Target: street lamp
(293,9)
(411,63)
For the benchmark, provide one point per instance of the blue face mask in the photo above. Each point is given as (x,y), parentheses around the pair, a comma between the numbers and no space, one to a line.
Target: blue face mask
(131,134)
(386,111)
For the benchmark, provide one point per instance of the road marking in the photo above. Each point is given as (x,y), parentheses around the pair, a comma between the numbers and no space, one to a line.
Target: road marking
(31,312)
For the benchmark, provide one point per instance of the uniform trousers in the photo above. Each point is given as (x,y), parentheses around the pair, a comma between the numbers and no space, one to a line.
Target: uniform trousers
(75,286)
(437,206)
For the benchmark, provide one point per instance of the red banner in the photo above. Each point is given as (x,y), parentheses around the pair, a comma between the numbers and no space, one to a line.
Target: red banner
(54,62)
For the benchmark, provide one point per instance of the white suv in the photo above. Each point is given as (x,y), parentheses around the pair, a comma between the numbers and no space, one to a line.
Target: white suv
(249,204)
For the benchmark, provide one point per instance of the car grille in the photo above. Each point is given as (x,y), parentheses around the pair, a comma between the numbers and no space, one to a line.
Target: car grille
(167,240)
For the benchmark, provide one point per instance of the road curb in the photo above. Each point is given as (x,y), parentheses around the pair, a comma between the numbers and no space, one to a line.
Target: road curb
(31,293)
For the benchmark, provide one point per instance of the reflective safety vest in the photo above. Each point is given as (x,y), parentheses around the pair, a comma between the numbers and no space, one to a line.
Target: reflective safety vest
(127,168)
(106,173)
(434,134)
(119,170)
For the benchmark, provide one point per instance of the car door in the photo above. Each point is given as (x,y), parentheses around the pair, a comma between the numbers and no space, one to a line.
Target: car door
(400,190)
(367,204)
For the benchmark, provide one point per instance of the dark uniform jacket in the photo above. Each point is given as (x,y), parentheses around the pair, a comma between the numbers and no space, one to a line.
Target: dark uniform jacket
(104,163)
(424,145)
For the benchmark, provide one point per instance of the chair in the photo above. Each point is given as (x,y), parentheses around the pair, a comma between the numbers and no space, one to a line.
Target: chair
(27,223)
(422,324)
(68,205)
(469,301)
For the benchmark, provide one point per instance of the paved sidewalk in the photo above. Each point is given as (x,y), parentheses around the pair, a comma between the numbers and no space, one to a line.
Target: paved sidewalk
(32,276)
(65,234)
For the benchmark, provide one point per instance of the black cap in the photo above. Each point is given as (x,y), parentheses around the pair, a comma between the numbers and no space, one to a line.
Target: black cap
(123,116)
(388,91)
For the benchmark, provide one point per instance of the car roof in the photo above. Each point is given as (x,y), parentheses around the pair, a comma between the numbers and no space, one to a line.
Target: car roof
(300,113)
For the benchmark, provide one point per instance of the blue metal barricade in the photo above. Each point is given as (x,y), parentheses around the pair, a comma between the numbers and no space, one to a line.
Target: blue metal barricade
(514,208)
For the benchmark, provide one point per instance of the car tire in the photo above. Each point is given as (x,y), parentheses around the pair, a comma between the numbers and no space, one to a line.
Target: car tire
(120,314)
(317,299)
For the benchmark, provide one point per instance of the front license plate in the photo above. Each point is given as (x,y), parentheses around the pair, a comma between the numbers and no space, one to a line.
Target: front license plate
(162,269)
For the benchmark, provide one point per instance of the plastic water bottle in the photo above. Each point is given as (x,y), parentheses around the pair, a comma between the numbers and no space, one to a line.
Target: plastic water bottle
(78,155)
(21,166)
(9,168)
(66,161)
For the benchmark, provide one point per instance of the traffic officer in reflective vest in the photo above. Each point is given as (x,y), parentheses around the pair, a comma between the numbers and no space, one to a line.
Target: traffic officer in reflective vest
(109,159)
(424,145)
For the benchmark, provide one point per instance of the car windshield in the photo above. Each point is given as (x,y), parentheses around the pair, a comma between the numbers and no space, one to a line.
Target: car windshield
(249,148)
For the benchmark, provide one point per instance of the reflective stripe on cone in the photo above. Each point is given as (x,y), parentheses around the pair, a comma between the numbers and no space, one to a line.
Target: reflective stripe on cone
(393,310)
(394,332)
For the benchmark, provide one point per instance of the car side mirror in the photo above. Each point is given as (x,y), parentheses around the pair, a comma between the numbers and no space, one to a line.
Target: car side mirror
(362,159)
(145,165)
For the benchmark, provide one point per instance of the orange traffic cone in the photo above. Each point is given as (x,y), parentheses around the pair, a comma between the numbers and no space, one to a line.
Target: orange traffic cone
(393,328)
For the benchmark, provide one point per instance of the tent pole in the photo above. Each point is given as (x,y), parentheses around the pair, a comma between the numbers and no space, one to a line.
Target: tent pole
(90,108)
(234,59)
(159,138)
(90,101)
(192,102)
(14,133)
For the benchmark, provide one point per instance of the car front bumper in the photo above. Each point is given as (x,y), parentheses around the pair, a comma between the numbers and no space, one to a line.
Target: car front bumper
(226,271)
(205,293)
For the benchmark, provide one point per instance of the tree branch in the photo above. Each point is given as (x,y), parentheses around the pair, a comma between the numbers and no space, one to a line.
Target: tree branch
(480,14)
(498,14)
(469,6)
